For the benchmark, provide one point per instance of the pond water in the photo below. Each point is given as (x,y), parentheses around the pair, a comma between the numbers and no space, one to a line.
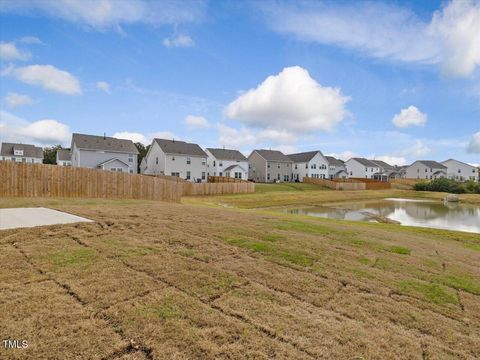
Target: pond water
(432,214)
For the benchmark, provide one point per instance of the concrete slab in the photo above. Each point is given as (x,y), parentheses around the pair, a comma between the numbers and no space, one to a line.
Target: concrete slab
(30,217)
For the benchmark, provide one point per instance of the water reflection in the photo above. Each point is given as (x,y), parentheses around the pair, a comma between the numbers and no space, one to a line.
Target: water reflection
(450,216)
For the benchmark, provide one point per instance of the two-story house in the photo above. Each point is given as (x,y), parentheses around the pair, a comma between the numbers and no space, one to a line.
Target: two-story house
(309,164)
(460,171)
(269,166)
(336,168)
(426,169)
(387,171)
(64,157)
(176,158)
(226,162)
(103,152)
(361,168)
(21,153)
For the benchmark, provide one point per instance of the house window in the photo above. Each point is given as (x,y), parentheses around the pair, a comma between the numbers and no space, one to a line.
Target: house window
(268,176)
(64,163)
(24,160)
(130,157)
(188,175)
(268,165)
(175,174)
(220,173)
(203,175)
(459,171)
(213,162)
(238,175)
(285,177)
(14,159)
(278,176)
(295,166)
(220,164)
(156,160)
(33,160)
(173,158)
(278,166)
(189,161)
(204,161)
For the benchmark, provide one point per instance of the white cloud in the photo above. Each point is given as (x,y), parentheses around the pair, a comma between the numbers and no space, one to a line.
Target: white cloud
(9,52)
(13,99)
(42,132)
(474,144)
(110,14)
(291,101)
(48,77)
(451,38)
(410,116)
(178,41)
(392,160)
(104,86)
(195,122)
(145,139)
(417,150)
(31,40)
(343,155)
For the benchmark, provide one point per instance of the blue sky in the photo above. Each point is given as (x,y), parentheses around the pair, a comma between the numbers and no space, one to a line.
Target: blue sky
(396,80)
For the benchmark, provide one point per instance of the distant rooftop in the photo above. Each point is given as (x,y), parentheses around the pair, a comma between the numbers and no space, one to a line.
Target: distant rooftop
(105,143)
(273,155)
(180,147)
(227,154)
(30,151)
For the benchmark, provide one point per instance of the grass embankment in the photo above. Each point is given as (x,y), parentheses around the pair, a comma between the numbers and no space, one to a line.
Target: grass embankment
(159,280)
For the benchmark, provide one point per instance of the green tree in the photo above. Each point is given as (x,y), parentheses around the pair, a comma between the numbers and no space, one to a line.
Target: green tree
(50,154)
(142,152)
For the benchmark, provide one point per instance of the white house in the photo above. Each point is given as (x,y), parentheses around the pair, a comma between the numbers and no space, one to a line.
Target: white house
(64,157)
(176,158)
(226,162)
(361,168)
(103,152)
(426,169)
(460,171)
(309,164)
(336,168)
(21,153)
(387,171)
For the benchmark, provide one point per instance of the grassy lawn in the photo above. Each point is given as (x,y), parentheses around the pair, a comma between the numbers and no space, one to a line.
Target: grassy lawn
(198,280)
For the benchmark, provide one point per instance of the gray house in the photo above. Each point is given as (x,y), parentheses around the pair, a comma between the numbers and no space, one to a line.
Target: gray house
(21,153)
(176,158)
(336,168)
(386,172)
(103,152)
(269,166)
(64,157)
(426,169)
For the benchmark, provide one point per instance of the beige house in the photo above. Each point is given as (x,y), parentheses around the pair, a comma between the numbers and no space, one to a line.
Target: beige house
(269,166)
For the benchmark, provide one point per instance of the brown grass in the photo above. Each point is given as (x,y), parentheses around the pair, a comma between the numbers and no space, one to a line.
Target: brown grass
(155,280)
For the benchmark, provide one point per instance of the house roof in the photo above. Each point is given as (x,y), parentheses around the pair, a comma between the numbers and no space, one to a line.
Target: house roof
(432,164)
(105,143)
(231,167)
(365,162)
(383,164)
(64,155)
(303,157)
(461,162)
(111,160)
(334,161)
(273,155)
(227,154)
(28,150)
(180,147)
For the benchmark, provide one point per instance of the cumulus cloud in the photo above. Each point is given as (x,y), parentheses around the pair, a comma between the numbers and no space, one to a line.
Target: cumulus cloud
(196,122)
(145,139)
(178,41)
(10,52)
(291,101)
(451,38)
(345,155)
(42,132)
(13,99)
(410,116)
(46,76)
(473,146)
(104,86)
(110,14)
(418,149)
(392,160)
(31,40)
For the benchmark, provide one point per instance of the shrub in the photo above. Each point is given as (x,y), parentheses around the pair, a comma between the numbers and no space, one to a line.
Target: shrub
(448,185)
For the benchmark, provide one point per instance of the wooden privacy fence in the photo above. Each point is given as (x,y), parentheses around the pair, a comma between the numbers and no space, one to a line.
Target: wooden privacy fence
(217,188)
(372,184)
(225,179)
(32,180)
(336,185)
(410,182)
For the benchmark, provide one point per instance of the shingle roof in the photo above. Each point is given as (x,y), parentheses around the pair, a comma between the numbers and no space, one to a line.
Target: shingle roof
(273,155)
(180,147)
(461,162)
(227,154)
(94,142)
(383,164)
(365,162)
(303,157)
(334,161)
(64,155)
(28,150)
(432,164)
(234,166)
